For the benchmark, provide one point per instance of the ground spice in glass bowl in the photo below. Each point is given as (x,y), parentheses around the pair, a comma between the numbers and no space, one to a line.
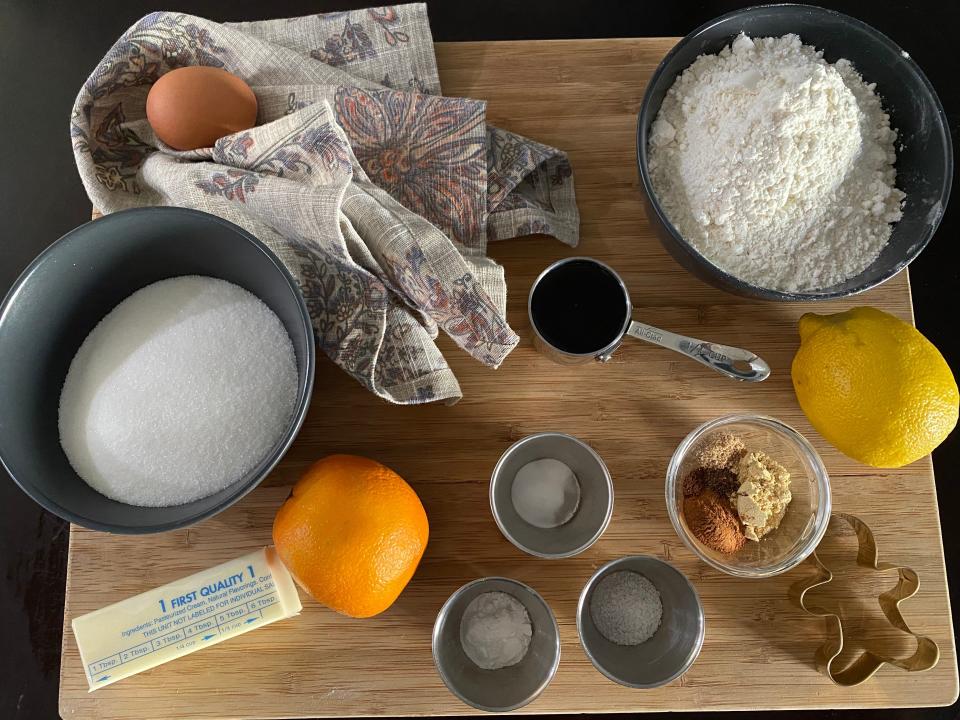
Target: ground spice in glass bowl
(734,494)
(714,522)
(721,452)
(723,481)
(748,495)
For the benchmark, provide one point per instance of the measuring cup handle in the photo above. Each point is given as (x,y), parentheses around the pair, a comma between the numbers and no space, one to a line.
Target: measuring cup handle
(733,362)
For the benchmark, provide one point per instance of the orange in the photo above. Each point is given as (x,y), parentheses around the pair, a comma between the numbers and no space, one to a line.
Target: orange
(351,533)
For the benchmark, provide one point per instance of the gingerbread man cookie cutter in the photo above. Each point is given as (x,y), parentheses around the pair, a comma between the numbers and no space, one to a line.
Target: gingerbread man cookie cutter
(927,653)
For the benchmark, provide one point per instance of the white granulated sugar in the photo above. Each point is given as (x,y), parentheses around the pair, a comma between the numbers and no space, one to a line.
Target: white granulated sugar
(180,390)
(777,165)
(626,608)
(495,630)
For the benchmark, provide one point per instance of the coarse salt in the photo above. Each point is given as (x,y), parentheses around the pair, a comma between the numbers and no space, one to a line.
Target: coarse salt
(626,608)
(178,392)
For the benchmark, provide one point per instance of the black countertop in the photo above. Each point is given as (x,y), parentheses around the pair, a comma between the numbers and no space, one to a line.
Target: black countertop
(47,50)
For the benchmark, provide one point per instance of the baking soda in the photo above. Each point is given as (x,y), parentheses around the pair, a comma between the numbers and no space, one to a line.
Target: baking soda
(495,630)
(178,392)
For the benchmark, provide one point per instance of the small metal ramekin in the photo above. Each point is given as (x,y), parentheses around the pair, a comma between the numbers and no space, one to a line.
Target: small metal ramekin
(674,646)
(508,688)
(596,496)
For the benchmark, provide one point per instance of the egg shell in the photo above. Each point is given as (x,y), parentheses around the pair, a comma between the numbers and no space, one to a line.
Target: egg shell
(193,107)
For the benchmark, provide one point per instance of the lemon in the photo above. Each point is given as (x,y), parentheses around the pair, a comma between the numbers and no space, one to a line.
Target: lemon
(873,386)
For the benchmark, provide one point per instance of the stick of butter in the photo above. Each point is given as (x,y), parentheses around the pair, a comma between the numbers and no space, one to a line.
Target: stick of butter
(161,625)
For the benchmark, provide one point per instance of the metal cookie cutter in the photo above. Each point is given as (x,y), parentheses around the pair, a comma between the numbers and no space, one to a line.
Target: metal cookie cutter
(927,653)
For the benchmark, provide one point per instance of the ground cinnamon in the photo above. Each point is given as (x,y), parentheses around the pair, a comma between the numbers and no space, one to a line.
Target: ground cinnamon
(714,522)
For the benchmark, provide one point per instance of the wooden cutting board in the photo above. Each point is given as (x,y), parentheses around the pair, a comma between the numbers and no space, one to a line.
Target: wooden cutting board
(581,96)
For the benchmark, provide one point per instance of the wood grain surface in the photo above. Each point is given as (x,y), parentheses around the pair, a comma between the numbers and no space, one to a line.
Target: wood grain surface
(581,96)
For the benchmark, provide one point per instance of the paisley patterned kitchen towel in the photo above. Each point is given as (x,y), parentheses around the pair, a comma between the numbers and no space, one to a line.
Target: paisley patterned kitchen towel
(377,193)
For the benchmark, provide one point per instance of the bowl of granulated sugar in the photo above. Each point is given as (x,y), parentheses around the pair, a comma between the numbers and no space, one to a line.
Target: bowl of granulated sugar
(157,364)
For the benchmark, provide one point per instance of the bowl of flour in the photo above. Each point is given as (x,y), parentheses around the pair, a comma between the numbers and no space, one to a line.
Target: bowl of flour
(158,363)
(788,152)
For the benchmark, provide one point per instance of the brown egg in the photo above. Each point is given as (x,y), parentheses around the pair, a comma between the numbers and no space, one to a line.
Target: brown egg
(193,107)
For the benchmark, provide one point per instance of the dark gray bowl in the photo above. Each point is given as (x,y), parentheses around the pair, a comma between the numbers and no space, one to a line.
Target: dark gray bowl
(66,291)
(924,165)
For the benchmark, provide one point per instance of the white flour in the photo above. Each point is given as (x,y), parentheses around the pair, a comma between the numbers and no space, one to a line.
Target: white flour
(776,165)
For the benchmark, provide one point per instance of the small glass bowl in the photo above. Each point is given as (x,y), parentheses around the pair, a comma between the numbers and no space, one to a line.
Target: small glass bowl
(807,515)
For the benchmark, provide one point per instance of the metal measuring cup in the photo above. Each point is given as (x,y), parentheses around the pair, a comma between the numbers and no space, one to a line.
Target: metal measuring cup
(733,362)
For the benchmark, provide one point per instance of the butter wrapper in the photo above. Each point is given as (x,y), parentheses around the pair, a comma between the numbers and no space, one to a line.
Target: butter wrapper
(184,616)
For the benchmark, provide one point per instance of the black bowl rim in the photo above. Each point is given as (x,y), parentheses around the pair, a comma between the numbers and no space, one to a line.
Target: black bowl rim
(300,412)
(731,280)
